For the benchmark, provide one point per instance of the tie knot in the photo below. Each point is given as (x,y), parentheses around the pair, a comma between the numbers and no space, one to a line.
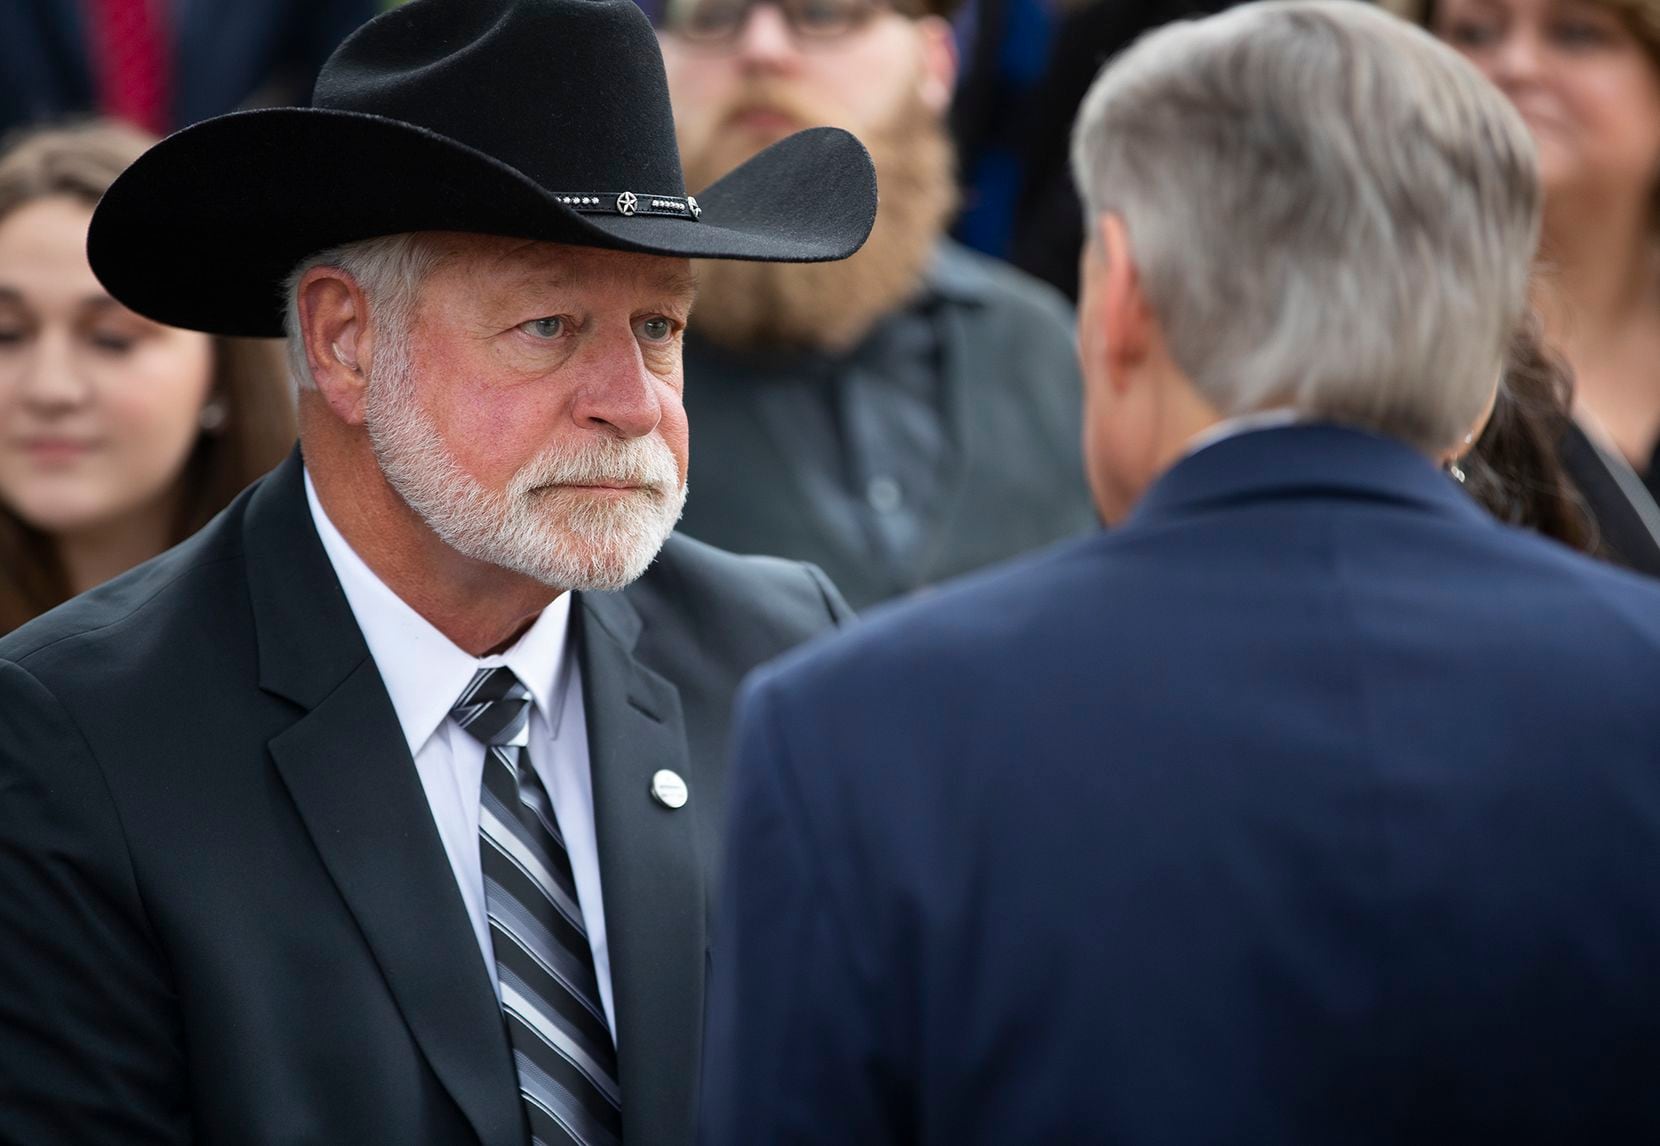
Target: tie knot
(494,707)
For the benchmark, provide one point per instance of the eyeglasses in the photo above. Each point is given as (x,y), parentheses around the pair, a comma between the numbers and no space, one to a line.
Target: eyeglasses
(718,23)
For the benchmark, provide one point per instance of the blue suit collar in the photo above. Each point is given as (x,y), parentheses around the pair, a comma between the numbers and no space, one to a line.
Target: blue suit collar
(1318,460)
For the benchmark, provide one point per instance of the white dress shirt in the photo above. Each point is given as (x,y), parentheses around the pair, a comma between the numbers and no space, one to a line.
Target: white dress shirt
(424,674)
(1234,427)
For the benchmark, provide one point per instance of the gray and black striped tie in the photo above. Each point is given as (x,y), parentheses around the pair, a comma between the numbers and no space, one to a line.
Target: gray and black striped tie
(566,1060)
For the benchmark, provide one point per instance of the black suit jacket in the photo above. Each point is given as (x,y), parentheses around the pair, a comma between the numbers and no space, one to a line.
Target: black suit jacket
(225,913)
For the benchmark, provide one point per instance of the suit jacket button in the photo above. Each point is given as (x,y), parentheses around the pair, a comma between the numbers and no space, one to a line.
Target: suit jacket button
(668,789)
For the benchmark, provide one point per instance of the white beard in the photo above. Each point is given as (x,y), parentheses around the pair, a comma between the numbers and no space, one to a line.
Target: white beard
(560,537)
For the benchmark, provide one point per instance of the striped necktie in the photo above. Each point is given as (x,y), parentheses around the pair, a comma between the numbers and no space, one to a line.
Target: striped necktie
(562,1047)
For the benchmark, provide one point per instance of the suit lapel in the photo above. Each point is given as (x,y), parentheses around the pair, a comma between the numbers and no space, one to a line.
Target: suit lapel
(650,871)
(348,770)
(351,777)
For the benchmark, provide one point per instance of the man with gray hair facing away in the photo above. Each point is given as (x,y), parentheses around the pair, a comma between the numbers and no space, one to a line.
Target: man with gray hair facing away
(1310,805)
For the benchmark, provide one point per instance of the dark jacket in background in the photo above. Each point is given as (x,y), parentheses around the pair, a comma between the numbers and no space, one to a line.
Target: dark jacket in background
(1621,502)
(226,54)
(1310,806)
(1047,231)
(947,440)
(226,915)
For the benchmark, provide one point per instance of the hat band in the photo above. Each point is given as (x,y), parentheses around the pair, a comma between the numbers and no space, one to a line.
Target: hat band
(628,203)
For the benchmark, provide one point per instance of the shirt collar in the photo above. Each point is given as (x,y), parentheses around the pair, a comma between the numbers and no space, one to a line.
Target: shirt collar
(1233,427)
(1306,460)
(424,671)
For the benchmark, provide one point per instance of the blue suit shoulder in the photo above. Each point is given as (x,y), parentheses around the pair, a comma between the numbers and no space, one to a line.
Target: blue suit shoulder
(972,625)
(1632,598)
(1087,788)
(964,641)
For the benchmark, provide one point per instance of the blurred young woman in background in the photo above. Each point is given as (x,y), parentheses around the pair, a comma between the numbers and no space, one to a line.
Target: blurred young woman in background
(1585,75)
(118,436)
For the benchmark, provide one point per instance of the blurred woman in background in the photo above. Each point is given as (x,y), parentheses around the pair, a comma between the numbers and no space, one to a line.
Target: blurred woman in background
(1585,75)
(118,437)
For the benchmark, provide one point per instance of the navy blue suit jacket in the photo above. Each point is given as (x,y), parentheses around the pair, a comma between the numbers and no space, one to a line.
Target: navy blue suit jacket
(1311,806)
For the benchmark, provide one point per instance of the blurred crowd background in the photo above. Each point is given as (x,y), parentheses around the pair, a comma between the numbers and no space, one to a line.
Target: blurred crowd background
(898,419)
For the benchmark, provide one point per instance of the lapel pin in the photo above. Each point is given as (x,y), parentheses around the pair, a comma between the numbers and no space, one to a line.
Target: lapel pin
(668,789)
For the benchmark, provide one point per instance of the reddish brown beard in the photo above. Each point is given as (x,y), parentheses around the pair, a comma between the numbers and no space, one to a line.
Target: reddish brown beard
(833,305)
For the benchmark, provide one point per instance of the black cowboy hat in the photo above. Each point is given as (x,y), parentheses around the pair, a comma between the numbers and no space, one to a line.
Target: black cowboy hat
(537,119)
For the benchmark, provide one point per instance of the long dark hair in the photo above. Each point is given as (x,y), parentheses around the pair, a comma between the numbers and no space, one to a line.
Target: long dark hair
(249,379)
(1515,469)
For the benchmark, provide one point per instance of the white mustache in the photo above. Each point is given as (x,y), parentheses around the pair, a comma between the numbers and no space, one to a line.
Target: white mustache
(643,462)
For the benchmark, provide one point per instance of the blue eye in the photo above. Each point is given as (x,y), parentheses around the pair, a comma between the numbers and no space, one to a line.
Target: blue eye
(657,329)
(544,327)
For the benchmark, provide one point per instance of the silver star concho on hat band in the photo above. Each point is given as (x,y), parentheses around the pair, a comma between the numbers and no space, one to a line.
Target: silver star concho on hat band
(628,203)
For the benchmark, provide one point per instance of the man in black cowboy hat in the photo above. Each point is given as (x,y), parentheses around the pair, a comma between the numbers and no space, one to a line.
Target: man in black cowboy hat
(381,810)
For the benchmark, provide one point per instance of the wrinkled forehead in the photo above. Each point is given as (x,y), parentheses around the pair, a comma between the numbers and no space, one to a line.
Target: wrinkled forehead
(489,267)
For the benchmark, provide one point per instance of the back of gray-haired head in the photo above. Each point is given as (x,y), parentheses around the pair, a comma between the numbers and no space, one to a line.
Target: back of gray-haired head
(1330,211)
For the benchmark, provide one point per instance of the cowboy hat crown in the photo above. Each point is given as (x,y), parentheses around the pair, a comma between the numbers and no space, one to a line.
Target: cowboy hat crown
(560,90)
(536,119)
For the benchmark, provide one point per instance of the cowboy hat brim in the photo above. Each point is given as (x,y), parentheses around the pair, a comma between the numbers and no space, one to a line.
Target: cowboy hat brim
(203,230)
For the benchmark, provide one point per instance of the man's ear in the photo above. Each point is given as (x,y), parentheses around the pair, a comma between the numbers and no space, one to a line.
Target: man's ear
(1122,307)
(939,63)
(333,318)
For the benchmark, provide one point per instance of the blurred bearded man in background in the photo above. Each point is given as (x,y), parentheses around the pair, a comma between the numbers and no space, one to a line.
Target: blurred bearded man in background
(900,417)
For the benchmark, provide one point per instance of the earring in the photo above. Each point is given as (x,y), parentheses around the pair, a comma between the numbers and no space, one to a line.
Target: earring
(215,413)
(1454,470)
